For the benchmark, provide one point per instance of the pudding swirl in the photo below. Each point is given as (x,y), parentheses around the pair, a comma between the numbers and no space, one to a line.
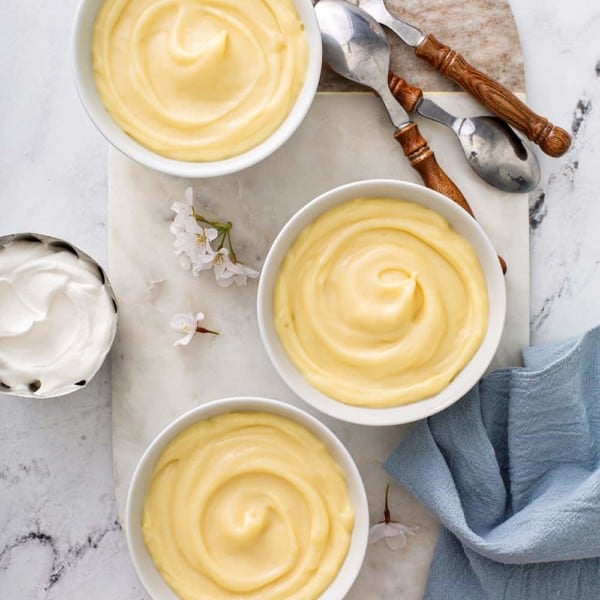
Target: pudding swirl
(247,505)
(380,303)
(199,80)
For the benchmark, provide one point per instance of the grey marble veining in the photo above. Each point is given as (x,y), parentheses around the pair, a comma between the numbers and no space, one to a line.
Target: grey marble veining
(565,211)
(56,486)
(59,533)
(58,537)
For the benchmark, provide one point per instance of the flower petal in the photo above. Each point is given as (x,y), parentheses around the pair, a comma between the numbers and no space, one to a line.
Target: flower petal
(395,542)
(211,233)
(399,528)
(191,226)
(198,267)
(243,273)
(393,533)
(185,261)
(377,532)
(224,281)
(185,340)
(183,323)
(223,267)
(179,207)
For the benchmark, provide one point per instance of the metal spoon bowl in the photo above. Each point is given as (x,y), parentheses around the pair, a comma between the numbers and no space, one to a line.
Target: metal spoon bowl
(492,149)
(355,46)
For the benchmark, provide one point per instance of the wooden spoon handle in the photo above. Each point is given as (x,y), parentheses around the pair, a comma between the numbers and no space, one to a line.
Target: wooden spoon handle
(408,95)
(422,159)
(553,140)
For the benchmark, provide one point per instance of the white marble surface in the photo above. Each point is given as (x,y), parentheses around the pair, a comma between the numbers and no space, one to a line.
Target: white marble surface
(151,287)
(58,537)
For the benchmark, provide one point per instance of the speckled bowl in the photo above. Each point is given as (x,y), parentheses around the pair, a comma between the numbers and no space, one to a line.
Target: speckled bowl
(69,386)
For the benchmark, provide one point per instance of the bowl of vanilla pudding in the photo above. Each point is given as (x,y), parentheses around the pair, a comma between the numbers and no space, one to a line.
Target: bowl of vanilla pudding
(381,302)
(58,316)
(196,88)
(247,498)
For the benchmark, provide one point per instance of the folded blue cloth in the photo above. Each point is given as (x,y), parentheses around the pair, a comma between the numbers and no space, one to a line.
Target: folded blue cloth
(512,471)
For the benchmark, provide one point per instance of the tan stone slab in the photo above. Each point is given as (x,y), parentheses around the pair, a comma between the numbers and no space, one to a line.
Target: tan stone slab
(484,31)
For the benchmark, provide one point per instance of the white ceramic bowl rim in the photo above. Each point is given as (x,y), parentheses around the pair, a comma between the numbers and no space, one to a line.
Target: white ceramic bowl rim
(88,93)
(460,222)
(147,572)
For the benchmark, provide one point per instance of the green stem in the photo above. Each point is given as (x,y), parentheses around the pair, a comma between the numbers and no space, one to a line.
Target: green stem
(220,239)
(231,251)
(223,233)
(216,224)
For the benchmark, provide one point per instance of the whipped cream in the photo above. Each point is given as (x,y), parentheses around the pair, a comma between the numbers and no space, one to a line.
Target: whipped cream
(57,319)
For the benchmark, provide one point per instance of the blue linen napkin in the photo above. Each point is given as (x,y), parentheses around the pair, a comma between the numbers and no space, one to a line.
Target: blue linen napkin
(512,471)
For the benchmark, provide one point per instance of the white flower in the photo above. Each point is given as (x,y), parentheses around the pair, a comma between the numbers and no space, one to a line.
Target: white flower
(228,272)
(184,214)
(185,232)
(245,272)
(185,207)
(203,253)
(224,268)
(186,323)
(195,243)
(192,242)
(186,262)
(181,223)
(394,534)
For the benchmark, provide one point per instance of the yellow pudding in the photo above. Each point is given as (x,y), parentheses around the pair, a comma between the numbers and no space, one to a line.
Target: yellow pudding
(247,505)
(199,80)
(380,303)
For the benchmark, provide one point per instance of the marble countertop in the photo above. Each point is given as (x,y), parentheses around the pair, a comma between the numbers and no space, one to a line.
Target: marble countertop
(59,536)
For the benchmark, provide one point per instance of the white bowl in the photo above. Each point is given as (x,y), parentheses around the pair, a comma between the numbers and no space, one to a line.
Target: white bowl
(147,572)
(88,93)
(462,223)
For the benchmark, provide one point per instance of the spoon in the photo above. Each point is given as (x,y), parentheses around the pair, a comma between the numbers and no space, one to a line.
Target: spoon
(492,149)
(355,46)
(553,140)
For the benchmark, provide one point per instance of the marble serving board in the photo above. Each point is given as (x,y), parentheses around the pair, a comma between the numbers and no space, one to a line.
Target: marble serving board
(345,137)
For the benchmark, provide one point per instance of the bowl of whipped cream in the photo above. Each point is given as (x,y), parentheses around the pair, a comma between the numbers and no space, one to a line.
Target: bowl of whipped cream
(58,316)
(197,88)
